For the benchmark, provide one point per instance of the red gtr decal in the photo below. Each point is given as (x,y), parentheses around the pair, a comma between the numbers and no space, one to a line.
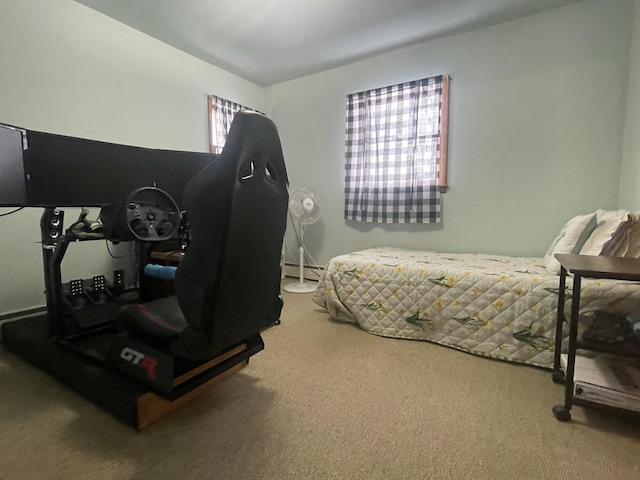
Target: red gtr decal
(143,361)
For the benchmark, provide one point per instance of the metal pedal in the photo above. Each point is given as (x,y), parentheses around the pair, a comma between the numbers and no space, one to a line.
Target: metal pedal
(77,287)
(99,283)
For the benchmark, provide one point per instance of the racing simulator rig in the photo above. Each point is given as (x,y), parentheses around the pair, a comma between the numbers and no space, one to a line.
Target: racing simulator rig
(136,356)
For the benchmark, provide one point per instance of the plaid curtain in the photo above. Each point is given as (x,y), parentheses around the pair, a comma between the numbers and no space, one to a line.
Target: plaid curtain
(222,113)
(392,152)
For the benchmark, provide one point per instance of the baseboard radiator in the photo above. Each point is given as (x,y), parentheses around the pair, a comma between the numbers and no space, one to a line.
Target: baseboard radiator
(309,272)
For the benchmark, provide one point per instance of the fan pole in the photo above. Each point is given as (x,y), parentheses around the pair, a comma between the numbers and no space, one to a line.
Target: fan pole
(301,286)
(301,251)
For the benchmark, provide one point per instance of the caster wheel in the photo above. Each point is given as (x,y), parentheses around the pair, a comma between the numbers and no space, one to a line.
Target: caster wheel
(561,413)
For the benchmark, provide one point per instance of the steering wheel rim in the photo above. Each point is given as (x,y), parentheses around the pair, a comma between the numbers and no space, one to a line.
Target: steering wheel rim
(152,221)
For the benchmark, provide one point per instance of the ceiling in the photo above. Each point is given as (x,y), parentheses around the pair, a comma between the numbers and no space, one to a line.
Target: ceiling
(271,41)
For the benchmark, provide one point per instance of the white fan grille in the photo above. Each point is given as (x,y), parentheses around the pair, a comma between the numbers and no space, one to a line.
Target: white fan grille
(305,204)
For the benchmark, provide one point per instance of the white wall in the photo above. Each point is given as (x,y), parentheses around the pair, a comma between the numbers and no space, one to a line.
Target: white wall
(67,69)
(536,122)
(536,134)
(630,174)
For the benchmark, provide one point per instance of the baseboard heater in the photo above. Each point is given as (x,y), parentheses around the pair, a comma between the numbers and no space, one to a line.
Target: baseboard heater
(309,272)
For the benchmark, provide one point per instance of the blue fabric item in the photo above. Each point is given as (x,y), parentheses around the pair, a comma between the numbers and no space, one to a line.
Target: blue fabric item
(160,271)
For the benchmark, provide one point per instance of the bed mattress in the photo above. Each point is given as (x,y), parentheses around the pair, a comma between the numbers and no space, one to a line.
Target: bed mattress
(496,306)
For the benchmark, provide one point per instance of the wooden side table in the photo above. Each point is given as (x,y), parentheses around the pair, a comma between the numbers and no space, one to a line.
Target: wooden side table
(614,268)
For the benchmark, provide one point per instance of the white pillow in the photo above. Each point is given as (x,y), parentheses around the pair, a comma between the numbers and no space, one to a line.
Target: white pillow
(608,223)
(571,238)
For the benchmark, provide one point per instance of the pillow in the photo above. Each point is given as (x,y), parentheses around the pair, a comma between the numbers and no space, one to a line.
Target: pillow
(625,242)
(633,249)
(618,244)
(608,223)
(585,234)
(571,238)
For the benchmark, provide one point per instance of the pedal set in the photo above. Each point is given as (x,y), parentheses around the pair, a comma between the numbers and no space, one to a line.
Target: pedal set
(100,292)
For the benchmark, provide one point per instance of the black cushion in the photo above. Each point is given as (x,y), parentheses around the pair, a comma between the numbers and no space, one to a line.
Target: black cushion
(228,283)
(160,319)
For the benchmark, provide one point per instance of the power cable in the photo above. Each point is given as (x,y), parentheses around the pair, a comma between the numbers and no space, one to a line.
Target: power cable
(11,212)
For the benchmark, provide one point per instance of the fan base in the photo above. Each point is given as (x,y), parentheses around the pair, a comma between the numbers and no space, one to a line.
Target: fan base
(300,287)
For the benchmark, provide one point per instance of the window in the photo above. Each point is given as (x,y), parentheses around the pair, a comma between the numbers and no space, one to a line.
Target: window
(396,152)
(221,113)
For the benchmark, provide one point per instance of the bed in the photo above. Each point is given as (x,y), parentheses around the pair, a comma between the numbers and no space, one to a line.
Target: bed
(496,306)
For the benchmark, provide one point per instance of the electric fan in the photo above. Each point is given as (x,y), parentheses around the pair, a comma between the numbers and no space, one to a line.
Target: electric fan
(304,205)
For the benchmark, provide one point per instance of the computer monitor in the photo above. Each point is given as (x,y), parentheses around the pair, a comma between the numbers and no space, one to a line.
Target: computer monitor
(47,170)
(13,190)
(66,171)
(174,169)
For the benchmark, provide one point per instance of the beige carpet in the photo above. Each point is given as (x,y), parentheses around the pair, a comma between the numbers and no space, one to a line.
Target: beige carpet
(325,400)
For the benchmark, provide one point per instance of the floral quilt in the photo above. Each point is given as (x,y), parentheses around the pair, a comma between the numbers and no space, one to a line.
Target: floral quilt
(496,306)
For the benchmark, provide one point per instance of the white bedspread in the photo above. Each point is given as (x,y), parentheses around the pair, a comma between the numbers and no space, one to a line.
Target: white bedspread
(496,306)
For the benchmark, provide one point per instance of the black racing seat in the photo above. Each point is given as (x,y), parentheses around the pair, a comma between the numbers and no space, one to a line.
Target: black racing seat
(228,282)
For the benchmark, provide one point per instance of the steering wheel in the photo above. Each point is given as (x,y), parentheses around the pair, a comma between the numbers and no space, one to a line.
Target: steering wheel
(152,214)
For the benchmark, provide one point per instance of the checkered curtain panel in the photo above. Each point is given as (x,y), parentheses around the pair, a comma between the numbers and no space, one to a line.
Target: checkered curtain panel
(223,112)
(392,152)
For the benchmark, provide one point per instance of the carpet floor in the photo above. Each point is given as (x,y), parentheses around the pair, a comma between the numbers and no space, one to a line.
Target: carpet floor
(324,400)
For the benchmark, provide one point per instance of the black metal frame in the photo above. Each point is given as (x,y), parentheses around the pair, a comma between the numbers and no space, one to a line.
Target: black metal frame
(562,412)
(63,318)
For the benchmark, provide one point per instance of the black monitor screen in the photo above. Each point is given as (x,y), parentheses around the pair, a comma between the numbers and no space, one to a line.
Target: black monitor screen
(174,169)
(72,172)
(13,192)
